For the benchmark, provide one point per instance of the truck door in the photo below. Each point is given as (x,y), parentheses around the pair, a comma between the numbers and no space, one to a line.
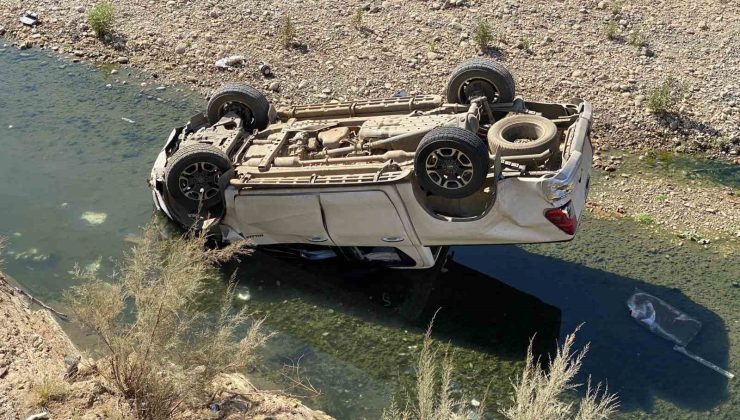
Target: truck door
(281,218)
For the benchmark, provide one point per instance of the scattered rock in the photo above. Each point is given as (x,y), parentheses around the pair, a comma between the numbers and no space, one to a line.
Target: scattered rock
(122,60)
(274,86)
(181,48)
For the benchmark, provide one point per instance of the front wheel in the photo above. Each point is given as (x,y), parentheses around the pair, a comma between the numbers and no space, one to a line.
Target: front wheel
(451,162)
(480,77)
(192,180)
(247,102)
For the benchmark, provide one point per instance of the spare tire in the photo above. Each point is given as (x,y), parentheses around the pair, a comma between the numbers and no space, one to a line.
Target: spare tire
(192,178)
(476,77)
(520,135)
(451,162)
(246,101)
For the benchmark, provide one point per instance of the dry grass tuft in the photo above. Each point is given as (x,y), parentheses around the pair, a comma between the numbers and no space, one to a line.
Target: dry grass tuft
(433,401)
(540,394)
(357,19)
(287,32)
(162,347)
(49,389)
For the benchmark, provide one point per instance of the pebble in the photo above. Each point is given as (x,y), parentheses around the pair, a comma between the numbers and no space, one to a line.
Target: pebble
(274,86)
(122,60)
(181,48)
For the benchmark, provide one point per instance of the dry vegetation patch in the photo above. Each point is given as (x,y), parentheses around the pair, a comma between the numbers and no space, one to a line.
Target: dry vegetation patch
(163,348)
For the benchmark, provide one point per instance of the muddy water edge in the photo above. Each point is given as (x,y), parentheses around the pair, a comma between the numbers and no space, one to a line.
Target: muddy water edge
(76,145)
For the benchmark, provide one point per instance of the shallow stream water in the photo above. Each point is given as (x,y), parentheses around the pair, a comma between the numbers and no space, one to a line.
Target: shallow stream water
(74,156)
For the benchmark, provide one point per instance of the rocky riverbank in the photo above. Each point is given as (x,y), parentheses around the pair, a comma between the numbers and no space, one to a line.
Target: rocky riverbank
(613,53)
(41,376)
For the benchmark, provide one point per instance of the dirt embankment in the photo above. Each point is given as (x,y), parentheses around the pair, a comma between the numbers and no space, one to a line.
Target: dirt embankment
(611,52)
(614,53)
(33,349)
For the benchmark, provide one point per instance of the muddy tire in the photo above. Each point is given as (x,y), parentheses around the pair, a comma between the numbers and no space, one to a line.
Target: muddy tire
(243,99)
(451,162)
(191,169)
(477,77)
(519,135)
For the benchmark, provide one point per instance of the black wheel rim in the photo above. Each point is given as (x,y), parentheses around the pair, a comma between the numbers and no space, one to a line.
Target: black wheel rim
(199,180)
(449,168)
(240,109)
(473,88)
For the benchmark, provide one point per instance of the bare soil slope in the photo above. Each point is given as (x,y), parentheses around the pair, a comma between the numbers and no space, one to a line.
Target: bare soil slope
(33,348)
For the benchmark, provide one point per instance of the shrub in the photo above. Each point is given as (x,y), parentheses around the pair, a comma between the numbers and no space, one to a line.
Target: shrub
(540,394)
(666,96)
(611,30)
(617,7)
(637,38)
(287,32)
(644,218)
(162,348)
(100,18)
(525,44)
(482,35)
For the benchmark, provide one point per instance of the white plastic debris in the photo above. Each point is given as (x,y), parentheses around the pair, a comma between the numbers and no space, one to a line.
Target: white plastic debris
(668,322)
(231,62)
(94,218)
(29,18)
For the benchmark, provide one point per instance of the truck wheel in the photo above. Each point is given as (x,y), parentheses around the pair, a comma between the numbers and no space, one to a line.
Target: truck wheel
(451,162)
(520,135)
(246,101)
(480,77)
(192,174)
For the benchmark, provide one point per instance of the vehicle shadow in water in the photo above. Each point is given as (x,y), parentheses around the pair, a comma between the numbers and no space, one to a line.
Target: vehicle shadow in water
(636,364)
(472,309)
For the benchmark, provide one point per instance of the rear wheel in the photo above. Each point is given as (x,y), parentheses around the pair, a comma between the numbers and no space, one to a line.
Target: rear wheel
(479,77)
(451,162)
(192,179)
(244,100)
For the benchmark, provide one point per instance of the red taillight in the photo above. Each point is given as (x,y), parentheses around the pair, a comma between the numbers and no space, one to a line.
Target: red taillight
(564,218)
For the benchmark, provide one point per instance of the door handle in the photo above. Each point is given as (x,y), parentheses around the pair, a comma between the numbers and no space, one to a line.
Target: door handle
(317,239)
(392,239)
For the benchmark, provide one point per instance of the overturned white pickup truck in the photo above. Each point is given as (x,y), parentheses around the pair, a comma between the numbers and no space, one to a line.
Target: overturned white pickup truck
(385,180)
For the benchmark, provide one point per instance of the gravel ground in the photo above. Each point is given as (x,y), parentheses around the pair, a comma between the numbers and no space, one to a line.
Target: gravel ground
(556,49)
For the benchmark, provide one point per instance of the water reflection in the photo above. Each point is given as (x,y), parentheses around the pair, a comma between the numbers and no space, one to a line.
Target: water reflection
(636,364)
